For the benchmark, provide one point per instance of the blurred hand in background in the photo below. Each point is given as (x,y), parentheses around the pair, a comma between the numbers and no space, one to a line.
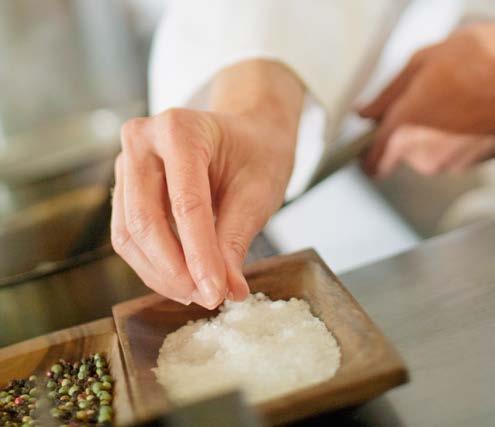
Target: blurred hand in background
(438,114)
(193,188)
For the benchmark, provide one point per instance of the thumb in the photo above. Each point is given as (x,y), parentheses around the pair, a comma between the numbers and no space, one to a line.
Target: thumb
(237,225)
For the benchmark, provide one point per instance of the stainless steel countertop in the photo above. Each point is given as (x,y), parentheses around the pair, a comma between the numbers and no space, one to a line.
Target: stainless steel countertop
(436,303)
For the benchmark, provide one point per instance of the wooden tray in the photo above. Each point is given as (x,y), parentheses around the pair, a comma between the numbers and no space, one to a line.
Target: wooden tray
(369,365)
(39,354)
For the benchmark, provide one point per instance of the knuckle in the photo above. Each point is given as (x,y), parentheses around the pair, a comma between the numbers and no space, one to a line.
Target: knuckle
(187,128)
(184,203)
(237,244)
(132,128)
(173,120)
(120,239)
(139,224)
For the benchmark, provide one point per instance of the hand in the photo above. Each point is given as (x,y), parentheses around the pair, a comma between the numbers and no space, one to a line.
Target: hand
(437,114)
(193,188)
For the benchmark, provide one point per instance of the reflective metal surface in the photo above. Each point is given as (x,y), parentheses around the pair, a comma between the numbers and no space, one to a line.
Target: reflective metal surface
(62,57)
(65,299)
(46,219)
(70,74)
(437,305)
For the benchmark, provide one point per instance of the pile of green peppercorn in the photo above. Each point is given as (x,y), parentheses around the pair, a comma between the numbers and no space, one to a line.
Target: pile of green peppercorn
(75,394)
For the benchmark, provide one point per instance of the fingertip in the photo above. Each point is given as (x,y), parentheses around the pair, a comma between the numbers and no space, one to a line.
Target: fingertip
(197,298)
(242,290)
(212,293)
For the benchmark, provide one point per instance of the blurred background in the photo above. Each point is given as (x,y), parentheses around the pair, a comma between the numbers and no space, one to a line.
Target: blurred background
(72,71)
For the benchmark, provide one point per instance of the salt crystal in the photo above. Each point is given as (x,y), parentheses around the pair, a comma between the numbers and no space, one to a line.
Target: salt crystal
(266,348)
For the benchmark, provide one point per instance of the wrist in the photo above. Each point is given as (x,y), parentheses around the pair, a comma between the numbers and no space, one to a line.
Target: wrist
(265,91)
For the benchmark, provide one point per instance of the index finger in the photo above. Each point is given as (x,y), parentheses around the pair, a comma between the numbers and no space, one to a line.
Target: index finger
(186,157)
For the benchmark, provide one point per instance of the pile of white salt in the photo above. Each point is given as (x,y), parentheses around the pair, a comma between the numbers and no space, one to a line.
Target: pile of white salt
(266,348)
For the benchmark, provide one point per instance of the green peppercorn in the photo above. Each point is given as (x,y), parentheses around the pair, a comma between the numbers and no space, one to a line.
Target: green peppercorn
(106,409)
(81,415)
(101,363)
(63,390)
(104,395)
(104,418)
(50,385)
(83,404)
(65,382)
(107,379)
(100,372)
(34,392)
(90,397)
(106,386)
(33,378)
(73,390)
(96,387)
(57,369)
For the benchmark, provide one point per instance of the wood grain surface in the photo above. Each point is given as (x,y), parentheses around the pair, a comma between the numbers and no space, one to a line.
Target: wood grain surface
(38,354)
(370,365)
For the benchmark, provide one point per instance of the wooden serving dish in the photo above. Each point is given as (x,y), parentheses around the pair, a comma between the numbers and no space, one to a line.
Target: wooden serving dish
(37,355)
(369,365)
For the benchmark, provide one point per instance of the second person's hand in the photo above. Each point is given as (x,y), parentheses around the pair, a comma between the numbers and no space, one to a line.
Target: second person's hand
(193,188)
(437,114)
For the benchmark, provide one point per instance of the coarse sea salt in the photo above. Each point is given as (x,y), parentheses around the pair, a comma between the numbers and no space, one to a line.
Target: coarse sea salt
(266,348)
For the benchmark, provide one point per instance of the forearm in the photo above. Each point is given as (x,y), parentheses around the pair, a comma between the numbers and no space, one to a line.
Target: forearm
(262,88)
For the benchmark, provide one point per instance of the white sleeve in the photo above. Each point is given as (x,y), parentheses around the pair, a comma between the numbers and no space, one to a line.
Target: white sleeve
(324,42)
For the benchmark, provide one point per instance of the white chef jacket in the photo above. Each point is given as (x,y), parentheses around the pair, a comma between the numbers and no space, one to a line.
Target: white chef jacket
(328,44)
(331,45)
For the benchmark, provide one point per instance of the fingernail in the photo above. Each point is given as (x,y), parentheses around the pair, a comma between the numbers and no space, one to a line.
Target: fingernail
(196,297)
(245,283)
(184,301)
(209,292)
